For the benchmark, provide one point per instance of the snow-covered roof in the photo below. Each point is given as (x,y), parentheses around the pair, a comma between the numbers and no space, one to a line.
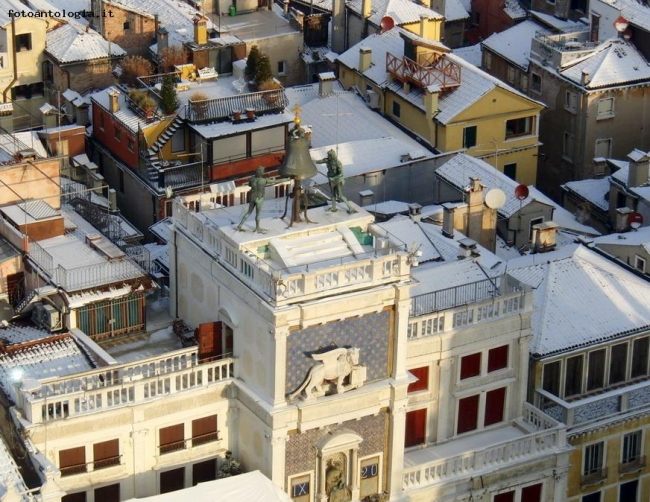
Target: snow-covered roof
(389,41)
(593,191)
(581,298)
(8,5)
(125,115)
(514,10)
(455,11)
(635,12)
(513,44)
(461,167)
(555,23)
(11,479)
(12,143)
(614,62)
(640,237)
(32,140)
(57,357)
(402,11)
(227,128)
(623,173)
(62,5)
(472,54)
(366,156)
(72,42)
(388,207)
(256,25)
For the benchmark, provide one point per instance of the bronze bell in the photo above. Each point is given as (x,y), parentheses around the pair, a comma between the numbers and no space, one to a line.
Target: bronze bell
(298,163)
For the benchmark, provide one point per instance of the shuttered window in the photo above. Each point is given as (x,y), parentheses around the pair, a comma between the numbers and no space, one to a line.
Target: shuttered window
(72,461)
(106,454)
(172,438)
(204,430)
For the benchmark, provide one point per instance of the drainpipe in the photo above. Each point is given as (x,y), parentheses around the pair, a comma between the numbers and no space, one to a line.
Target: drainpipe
(13,46)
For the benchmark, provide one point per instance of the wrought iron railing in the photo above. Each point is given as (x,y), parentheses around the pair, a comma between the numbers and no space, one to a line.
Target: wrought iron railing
(206,110)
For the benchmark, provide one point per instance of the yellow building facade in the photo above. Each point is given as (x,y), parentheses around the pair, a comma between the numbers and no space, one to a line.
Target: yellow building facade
(446,102)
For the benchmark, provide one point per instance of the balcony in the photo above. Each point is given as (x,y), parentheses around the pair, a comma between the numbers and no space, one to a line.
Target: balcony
(634,465)
(105,463)
(556,50)
(593,478)
(586,410)
(431,69)
(525,439)
(71,470)
(122,385)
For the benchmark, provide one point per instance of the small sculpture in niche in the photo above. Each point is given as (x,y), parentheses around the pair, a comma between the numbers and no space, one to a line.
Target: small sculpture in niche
(336,488)
(338,368)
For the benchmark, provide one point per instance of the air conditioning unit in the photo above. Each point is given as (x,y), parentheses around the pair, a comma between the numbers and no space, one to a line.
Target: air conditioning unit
(372,99)
(46,317)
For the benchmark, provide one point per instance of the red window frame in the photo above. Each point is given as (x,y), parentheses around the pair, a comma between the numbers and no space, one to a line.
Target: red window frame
(467,414)
(495,401)
(470,366)
(498,358)
(422,375)
(416,427)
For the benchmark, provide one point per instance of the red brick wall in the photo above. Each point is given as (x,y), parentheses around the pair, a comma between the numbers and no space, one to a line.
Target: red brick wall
(138,38)
(106,136)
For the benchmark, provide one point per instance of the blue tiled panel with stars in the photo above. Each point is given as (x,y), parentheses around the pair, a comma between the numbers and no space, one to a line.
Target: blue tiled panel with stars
(371,333)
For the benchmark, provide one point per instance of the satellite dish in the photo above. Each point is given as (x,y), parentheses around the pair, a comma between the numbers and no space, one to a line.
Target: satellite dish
(495,198)
(635,220)
(387,23)
(521,192)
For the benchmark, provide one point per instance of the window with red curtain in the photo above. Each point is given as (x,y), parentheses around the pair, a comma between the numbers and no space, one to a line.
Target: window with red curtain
(532,493)
(494,404)
(467,414)
(505,497)
(470,366)
(498,358)
(422,374)
(416,427)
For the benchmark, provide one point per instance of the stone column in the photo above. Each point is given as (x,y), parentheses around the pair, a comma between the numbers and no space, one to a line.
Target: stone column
(354,473)
(396,452)
(321,495)
(280,373)
(445,399)
(278,458)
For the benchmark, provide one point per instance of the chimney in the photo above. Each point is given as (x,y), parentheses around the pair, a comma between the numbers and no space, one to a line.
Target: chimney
(448,220)
(325,83)
(600,167)
(366,6)
(475,210)
(113,101)
(430,98)
(365,197)
(639,162)
(415,211)
(467,248)
(112,199)
(338,26)
(423,25)
(365,58)
(585,78)
(544,237)
(406,87)
(200,30)
(285,7)
(621,223)
(162,39)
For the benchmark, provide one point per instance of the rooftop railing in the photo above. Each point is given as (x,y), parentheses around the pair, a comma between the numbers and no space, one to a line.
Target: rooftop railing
(122,385)
(207,110)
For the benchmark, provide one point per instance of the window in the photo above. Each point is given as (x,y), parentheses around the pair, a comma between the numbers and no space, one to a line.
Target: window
(571,101)
(511,75)
(629,491)
(639,264)
(369,477)
(494,406)
(470,366)
(621,200)
(72,461)
(300,488)
(74,497)
(596,370)
(48,70)
(605,108)
(618,363)
(488,60)
(204,430)
(110,493)
(510,170)
(568,146)
(580,5)
(106,454)
(631,447)
(497,358)
(204,471)
(551,378)
(422,374)
(603,148)
(118,134)
(173,480)
(536,83)
(126,25)
(595,26)
(532,493)
(172,438)
(524,82)
(593,462)
(282,67)
(130,144)
(520,127)
(469,137)
(467,414)
(24,42)
(463,318)
(178,141)
(573,382)
(592,497)
(416,427)
(397,109)
(640,357)
(505,497)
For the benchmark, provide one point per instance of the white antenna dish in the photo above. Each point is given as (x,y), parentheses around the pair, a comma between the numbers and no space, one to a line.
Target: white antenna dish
(495,198)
